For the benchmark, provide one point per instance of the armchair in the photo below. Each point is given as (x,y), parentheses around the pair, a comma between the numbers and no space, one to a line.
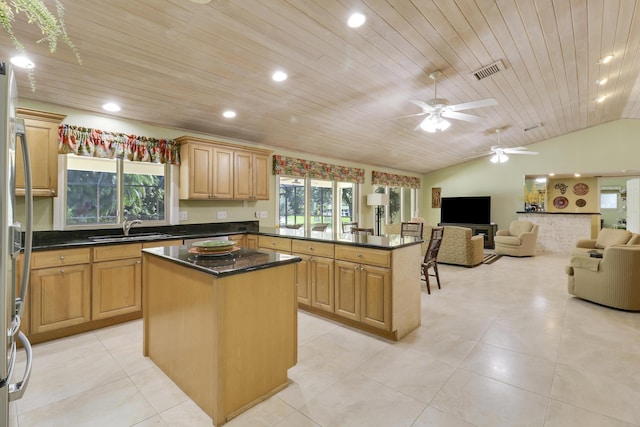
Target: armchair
(613,280)
(606,237)
(519,240)
(461,247)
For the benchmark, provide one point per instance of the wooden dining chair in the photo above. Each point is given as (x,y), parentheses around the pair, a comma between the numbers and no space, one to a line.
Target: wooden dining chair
(431,257)
(362,231)
(346,226)
(413,229)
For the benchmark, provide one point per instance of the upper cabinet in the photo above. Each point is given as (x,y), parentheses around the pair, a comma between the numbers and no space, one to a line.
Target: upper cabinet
(211,170)
(42,140)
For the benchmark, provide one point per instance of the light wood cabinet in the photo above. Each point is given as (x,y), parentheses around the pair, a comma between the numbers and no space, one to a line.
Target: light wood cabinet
(251,176)
(274,244)
(315,274)
(60,289)
(252,241)
(116,285)
(240,239)
(42,139)
(215,170)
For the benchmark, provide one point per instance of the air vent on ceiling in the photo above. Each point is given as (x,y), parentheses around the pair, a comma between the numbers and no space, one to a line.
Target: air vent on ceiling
(489,70)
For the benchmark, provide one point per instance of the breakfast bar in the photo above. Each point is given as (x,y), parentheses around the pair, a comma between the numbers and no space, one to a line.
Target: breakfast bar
(222,327)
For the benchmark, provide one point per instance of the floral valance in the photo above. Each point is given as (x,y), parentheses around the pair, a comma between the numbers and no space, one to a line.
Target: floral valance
(290,166)
(393,180)
(97,143)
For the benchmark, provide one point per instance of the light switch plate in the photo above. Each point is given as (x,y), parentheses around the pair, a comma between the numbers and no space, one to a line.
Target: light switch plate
(263,214)
(221,214)
(184,215)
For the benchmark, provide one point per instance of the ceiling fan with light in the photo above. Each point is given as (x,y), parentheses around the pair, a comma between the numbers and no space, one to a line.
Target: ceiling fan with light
(499,153)
(439,108)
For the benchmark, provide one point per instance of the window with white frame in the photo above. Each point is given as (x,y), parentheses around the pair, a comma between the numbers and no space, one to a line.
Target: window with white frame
(315,203)
(403,202)
(97,192)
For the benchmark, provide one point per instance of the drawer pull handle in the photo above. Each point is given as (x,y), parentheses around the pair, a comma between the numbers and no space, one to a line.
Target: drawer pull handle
(359,255)
(310,248)
(62,257)
(62,270)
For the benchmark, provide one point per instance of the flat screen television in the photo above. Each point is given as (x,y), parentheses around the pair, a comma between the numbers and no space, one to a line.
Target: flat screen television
(466,210)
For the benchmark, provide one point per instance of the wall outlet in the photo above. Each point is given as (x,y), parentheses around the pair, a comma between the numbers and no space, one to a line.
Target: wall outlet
(257,214)
(221,215)
(184,215)
(264,214)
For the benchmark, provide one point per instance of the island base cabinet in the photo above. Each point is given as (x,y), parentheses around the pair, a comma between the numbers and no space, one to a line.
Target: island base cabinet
(227,341)
(363,294)
(60,297)
(303,280)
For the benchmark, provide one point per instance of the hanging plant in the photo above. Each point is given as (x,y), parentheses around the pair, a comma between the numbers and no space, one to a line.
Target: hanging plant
(51,25)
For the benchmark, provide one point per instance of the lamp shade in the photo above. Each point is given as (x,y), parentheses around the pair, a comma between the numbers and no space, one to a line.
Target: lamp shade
(377,199)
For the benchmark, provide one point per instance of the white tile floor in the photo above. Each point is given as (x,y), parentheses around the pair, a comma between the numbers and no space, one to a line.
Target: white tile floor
(499,345)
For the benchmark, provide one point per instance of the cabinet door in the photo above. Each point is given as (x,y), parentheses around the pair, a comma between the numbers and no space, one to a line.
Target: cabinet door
(376,296)
(117,288)
(303,280)
(347,290)
(60,297)
(261,177)
(42,139)
(200,171)
(322,283)
(243,179)
(222,173)
(252,241)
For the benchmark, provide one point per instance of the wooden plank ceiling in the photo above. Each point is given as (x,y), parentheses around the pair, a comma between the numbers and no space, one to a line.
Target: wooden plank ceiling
(179,64)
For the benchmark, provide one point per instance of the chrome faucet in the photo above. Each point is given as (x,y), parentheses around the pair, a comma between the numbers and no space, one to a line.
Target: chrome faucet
(127,224)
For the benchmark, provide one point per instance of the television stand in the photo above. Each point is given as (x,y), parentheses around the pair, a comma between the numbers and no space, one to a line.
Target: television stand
(486,230)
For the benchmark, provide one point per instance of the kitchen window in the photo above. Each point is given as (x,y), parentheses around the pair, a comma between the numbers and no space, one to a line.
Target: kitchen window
(315,203)
(98,193)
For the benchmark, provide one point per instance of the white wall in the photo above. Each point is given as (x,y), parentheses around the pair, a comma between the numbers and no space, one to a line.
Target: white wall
(611,147)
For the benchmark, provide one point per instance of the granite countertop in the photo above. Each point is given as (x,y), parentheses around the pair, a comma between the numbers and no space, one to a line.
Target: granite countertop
(47,240)
(387,241)
(241,261)
(557,213)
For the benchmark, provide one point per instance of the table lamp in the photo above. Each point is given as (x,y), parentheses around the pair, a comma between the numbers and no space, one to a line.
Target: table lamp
(378,200)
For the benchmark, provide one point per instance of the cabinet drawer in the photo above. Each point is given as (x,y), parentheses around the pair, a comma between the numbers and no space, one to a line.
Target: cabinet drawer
(108,253)
(363,255)
(60,257)
(275,243)
(312,248)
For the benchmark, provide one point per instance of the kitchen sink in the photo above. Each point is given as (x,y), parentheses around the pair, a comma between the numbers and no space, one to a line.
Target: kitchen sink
(131,238)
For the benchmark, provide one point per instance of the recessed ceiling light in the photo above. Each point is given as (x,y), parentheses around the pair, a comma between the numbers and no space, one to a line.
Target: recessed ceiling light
(279,76)
(602,81)
(229,114)
(552,174)
(601,98)
(22,61)
(356,20)
(605,60)
(577,175)
(111,106)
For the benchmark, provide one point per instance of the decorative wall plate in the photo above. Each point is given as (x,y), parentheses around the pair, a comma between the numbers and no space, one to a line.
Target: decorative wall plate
(562,187)
(580,189)
(581,203)
(560,202)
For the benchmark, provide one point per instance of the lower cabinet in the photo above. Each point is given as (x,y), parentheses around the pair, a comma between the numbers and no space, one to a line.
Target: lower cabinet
(363,294)
(59,289)
(116,288)
(315,282)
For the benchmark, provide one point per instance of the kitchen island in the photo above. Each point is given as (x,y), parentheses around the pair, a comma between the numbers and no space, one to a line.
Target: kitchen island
(223,328)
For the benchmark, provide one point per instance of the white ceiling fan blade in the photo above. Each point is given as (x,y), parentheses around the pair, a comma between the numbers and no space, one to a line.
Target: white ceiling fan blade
(474,104)
(462,116)
(426,107)
(413,115)
(510,151)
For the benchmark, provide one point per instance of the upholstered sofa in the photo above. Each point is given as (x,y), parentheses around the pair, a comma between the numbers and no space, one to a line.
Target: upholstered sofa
(459,245)
(613,280)
(521,239)
(606,237)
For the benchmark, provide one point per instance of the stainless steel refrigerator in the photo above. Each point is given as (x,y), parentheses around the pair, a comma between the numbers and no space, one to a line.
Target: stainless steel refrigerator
(12,294)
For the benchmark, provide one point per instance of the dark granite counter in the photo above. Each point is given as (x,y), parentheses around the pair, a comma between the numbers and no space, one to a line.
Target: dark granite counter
(388,241)
(241,261)
(557,213)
